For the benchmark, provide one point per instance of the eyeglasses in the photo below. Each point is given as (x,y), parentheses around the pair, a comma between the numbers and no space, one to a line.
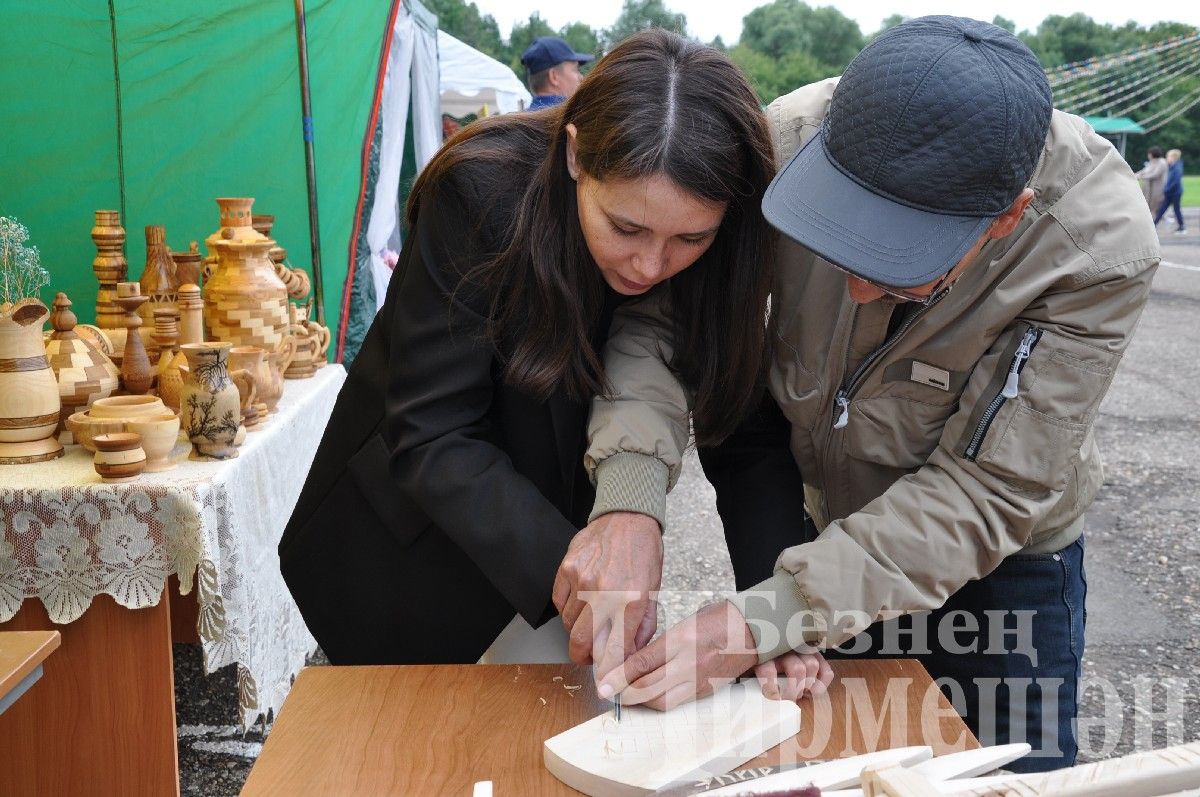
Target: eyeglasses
(904,294)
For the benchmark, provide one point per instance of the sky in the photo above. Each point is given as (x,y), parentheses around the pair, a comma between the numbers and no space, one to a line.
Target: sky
(709,18)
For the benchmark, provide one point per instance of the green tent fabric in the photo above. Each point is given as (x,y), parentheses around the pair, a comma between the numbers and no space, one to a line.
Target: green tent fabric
(156,107)
(1112,125)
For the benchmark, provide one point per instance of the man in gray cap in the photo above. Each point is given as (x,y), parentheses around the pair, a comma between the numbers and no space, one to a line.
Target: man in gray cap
(960,271)
(553,67)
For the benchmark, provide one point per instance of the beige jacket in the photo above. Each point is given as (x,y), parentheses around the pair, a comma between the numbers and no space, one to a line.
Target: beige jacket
(930,456)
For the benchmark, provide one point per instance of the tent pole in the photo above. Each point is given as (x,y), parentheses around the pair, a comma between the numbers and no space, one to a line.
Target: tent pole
(310,162)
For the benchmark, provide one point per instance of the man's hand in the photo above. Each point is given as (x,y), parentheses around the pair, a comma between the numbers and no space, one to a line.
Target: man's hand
(792,676)
(605,582)
(692,659)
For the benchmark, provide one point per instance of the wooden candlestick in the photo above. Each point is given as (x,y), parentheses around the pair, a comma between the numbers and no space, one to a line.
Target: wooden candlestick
(110,267)
(136,374)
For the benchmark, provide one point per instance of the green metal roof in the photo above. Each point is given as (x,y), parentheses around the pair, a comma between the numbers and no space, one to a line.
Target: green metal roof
(1114,124)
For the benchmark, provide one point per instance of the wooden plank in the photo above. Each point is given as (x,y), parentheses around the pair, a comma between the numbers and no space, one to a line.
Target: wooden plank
(185,613)
(102,719)
(20,654)
(440,729)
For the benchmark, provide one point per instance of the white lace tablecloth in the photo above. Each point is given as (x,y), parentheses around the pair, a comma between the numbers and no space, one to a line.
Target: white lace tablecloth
(66,537)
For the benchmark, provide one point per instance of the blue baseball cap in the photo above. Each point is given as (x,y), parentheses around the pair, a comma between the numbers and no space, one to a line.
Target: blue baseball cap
(548,51)
(933,131)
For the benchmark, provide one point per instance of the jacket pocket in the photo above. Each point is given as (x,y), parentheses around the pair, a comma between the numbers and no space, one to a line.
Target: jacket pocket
(893,431)
(398,513)
(1039,410)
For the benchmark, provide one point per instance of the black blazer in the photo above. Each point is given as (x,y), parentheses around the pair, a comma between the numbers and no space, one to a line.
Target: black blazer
(441,500)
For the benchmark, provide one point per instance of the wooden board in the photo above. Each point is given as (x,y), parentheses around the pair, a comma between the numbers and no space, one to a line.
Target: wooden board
(101,721)
(20,654)
(648,749)
(440,729)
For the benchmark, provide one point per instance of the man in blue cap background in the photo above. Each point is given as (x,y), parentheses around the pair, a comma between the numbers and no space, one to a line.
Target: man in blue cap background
(960,269)
(553,67)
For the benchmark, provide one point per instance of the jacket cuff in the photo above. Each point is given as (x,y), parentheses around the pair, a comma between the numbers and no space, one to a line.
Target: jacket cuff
(780,616)
(631,482)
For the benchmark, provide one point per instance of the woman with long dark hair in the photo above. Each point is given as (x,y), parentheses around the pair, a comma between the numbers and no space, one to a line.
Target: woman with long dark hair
(449,481)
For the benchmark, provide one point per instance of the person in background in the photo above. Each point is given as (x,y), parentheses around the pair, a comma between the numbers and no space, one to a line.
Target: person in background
(553,67)
(1152,176)
(1173,191)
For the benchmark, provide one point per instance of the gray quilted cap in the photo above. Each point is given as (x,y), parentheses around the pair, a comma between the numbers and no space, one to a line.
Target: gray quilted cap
(933,131)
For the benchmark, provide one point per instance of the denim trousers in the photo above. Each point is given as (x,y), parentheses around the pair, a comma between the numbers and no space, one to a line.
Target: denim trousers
(1006,651)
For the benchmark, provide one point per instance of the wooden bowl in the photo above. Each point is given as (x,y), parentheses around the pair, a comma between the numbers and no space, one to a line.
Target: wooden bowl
(159,436)
(127,407)
(119,456)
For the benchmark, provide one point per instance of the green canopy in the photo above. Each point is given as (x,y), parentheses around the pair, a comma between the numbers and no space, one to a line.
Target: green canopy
(1113,125)
(156,107)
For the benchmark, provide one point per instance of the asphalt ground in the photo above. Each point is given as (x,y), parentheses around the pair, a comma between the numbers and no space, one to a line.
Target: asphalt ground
(1142,664)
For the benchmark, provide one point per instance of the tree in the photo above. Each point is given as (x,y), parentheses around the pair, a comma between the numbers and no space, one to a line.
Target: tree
(464,22)
(522,36)
(1004,22)
(642,14)
(784,27)
(774,77)
(583,39)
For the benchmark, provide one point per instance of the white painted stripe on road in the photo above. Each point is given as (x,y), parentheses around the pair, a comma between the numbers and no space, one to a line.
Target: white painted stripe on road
(1169,264)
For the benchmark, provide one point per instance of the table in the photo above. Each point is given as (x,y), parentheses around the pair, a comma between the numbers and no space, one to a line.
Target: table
(21,657)
(97,560)
(438,729)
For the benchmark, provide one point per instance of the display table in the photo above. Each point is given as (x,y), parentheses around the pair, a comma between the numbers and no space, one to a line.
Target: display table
(440,729)
(79,554)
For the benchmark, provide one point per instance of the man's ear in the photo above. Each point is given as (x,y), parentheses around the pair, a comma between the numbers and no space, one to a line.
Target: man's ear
(572,162)
(1006,222)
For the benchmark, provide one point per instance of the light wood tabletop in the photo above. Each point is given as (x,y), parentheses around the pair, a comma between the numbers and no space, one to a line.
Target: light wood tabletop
(21,654)
(438,729)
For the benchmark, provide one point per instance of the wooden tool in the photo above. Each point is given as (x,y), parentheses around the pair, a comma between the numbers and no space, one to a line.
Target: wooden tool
(964,764)
(649,749)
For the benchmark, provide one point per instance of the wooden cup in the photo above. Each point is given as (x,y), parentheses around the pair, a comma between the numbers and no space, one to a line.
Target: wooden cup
(119,456)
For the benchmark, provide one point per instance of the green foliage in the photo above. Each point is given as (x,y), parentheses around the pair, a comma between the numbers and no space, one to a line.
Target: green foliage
(522,36)
(784,27)
(642,14)
(774,77)
(464,22)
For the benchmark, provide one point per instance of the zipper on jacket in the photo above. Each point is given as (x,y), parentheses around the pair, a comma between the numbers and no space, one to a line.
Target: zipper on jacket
(841,400)
(1028,342)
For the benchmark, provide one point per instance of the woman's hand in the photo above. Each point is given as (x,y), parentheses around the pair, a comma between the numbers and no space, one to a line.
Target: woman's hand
(692,659)
(607,581)
(792,676)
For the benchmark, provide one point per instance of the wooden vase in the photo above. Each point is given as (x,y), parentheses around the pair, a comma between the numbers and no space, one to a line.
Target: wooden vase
(245,302)
(191,315)
(136,374)
(30,406)
(252,360)
(212,403)
(119,456)
(277,363)
(171,362)
(83,372)
(110,267)
(303,363)
(158,280)
(188,265)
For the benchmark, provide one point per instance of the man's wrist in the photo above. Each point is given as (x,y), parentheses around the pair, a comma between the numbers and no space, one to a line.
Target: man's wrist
(631,482)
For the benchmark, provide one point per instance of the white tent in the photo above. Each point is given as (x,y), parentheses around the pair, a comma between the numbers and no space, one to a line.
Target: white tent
(471,80)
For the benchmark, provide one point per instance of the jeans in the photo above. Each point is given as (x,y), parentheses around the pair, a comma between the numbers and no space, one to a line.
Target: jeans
(1014,673)
(1172,201)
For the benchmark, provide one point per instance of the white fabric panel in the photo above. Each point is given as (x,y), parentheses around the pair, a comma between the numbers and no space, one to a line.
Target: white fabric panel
(385,212)
(470,72)
(426,81)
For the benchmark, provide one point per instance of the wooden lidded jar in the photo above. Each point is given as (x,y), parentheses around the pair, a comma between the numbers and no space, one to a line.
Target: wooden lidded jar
(83,372)
(245,302)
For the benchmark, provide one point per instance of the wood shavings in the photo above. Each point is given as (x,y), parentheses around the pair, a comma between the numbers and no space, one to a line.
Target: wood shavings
(543,700)
(571,688)
(557,678)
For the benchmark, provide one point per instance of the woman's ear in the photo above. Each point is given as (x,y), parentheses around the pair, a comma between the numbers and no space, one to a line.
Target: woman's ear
(572,163)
